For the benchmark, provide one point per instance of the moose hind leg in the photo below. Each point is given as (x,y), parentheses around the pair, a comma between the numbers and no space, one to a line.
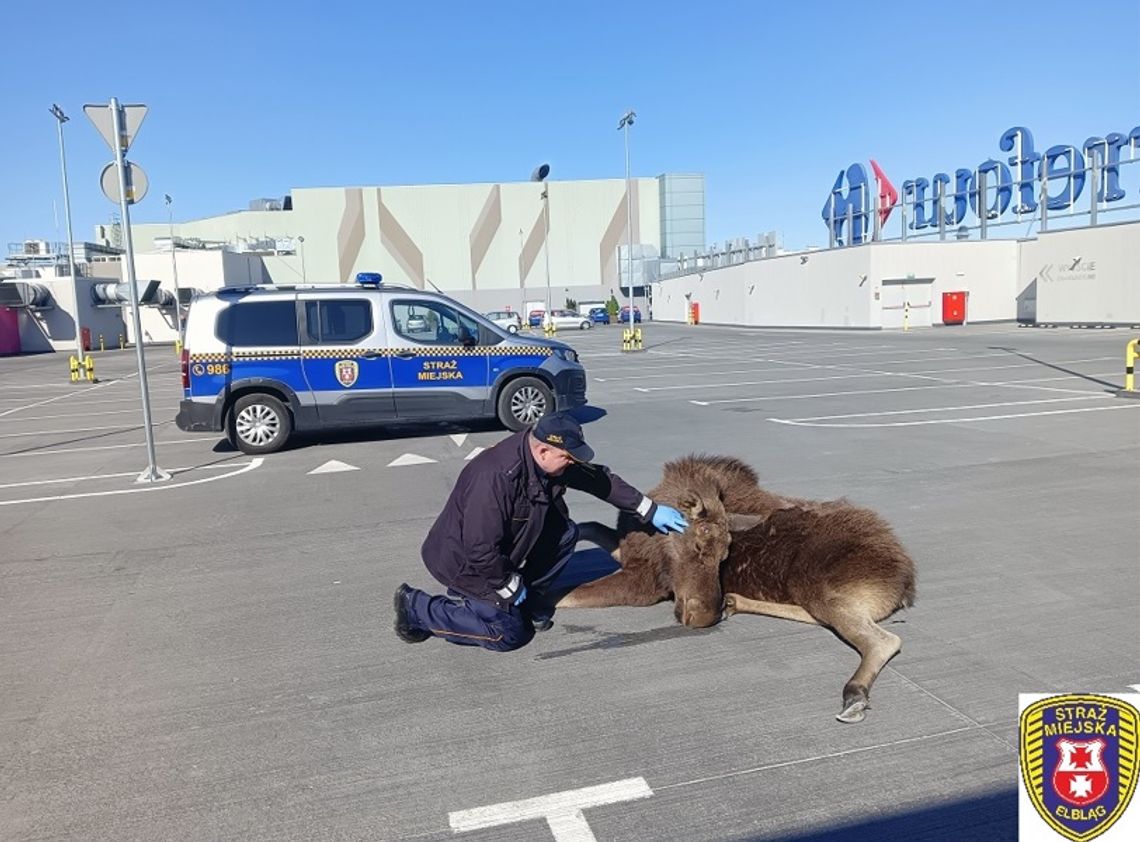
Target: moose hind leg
(876,645)
(604,536)
(637,586)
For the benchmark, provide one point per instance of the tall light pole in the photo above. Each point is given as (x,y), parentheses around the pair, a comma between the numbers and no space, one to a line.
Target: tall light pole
(174,266)
(301,242)
(62,118)
(626,122)
(540,173)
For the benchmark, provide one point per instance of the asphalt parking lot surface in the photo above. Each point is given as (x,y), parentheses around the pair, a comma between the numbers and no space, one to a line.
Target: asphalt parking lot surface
(213,657)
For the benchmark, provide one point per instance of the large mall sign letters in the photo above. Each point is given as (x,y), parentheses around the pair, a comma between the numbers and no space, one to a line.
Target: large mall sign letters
(1064,167)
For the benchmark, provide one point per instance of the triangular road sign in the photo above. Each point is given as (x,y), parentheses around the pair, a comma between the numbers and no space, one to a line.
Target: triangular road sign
(333,466)
(104,121)
(409,459)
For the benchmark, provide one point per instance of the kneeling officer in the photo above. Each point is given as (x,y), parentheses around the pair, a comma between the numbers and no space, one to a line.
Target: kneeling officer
(505,534)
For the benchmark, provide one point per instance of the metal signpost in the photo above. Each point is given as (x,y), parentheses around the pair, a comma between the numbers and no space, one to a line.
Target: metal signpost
(80,351)
(626,122)
(118,124)
(174,267)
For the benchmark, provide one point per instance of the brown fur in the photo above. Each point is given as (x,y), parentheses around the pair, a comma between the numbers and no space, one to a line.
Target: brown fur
(825,562)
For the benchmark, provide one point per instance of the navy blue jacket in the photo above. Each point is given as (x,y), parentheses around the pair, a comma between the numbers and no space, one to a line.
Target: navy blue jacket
(490,523)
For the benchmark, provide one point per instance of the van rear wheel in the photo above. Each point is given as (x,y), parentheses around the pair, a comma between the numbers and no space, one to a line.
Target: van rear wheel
(259,423)
(523,401)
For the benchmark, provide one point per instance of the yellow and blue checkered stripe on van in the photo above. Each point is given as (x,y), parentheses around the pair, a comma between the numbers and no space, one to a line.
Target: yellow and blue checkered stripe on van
(352,353)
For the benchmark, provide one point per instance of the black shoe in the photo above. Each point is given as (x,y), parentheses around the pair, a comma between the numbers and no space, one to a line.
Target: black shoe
(404,628)
(542,623)
(539,610)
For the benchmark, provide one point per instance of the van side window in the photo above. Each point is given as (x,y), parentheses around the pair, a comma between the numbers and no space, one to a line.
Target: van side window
(434,323)
(338,321)
(258,323)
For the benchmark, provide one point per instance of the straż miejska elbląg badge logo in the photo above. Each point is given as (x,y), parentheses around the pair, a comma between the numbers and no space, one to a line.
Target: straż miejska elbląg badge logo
(346,372)
(1078,761)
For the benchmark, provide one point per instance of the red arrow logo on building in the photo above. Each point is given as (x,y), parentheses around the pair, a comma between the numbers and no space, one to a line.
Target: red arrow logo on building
(888,195)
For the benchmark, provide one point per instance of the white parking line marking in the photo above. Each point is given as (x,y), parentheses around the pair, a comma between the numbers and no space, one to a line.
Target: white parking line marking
(562,810)
(24,418)
(409,459)
(56,398)
(751,383)
(816,758)
(458,438)
(333,466)
(45,451)
(173,472)
(127,428)
(473,454)
(831,394)
(804,423)
(952,408)
(249,466)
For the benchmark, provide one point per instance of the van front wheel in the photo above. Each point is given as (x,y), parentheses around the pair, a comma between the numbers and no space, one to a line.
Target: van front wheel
(522,402)
(259,423)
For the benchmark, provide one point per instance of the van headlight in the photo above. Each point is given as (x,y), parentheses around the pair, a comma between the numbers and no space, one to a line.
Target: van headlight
(568,354)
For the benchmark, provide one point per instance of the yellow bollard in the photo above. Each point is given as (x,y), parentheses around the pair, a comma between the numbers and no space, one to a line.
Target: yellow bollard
(906,316)
(178,347)
(89,368)
(637,338)
(73,365)
(102,345)
(1131,352)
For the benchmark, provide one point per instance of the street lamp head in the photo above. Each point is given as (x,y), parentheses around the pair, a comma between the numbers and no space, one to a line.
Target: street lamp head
(627,119)
(166,198)
(57,112)
(540,172)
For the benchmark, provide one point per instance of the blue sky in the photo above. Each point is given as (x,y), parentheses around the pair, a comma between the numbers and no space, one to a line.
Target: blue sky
(768,100)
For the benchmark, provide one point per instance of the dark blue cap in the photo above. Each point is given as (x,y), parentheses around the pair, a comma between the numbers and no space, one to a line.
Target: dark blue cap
(561,430)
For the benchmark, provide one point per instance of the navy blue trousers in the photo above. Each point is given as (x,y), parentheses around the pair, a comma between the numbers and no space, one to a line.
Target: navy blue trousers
(474,622)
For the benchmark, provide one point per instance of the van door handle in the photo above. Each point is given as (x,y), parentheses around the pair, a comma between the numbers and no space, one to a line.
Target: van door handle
(373,355)
(406,354)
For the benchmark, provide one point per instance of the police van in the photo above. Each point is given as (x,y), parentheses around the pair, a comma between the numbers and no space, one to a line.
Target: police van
(260,363)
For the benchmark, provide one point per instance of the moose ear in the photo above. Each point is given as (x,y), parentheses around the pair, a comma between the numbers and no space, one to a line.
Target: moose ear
(691,507)
(742,523)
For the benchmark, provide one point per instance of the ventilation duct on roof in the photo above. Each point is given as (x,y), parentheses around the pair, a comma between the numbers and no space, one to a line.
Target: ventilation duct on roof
(113,294)
(22,295)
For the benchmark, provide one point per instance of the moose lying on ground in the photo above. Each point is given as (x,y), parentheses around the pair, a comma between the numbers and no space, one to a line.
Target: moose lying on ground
(748,551)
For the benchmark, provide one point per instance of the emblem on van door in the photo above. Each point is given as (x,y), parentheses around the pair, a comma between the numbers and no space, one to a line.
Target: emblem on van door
(346,372)
(1078,761)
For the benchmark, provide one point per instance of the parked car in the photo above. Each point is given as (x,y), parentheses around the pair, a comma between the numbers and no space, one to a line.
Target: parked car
(599,315)
(568,319)
(623,317)
(508,320)
(261,362)
(535,318)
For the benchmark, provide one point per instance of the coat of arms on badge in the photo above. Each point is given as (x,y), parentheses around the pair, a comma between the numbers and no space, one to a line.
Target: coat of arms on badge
(1078,761)
(346,372)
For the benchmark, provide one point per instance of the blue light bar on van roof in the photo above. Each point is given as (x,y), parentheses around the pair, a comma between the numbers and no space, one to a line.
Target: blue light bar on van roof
(369,279)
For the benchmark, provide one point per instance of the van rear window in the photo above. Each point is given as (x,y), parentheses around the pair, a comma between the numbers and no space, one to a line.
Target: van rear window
(258,323)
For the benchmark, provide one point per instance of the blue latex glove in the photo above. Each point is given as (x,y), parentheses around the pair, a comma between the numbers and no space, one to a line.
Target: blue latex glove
(521,596)
(667,519)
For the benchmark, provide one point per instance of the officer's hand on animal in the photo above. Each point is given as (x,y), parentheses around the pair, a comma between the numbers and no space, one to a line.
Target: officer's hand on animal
(522,596)
(667,519)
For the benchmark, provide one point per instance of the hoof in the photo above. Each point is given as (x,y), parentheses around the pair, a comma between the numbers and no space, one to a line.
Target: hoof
(854,712)
(729,606)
